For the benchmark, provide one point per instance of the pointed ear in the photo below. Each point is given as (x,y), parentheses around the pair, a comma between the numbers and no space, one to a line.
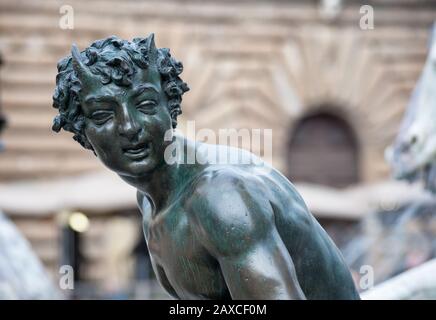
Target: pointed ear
(84,74)
(151,48)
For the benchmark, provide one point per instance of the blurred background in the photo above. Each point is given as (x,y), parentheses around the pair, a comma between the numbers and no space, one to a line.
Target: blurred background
(334,94)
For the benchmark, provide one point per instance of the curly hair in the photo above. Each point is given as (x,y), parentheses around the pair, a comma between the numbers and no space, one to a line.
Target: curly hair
(113,60)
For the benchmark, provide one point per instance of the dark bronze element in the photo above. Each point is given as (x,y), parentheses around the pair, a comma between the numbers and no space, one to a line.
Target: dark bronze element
(213,230)
(2,117)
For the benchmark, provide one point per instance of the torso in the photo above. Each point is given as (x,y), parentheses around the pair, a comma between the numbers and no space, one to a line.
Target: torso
(187,271)
(183,267)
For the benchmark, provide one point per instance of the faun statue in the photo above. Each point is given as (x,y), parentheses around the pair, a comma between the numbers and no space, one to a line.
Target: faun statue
(214,230)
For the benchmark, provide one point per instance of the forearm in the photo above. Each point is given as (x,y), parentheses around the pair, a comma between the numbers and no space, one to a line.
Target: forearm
(263,274)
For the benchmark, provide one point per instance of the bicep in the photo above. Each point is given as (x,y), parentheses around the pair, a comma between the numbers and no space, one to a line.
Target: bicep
(263,271)
(234,221)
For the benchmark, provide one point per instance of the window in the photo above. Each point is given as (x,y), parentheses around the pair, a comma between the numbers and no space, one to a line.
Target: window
(323,150)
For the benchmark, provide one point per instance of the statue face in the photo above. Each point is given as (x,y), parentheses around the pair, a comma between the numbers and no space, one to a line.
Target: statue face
(126,125)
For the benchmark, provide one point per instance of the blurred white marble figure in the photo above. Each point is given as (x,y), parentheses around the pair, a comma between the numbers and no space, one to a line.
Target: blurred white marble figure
(417,283)
(22,275)
(413,155)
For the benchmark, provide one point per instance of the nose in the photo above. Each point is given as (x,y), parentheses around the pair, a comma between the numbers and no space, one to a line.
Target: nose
(128,126)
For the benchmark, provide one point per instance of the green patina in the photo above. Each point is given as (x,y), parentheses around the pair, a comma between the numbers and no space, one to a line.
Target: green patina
(214,231)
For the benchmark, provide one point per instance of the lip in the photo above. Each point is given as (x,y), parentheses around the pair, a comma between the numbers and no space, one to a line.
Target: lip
(137,151)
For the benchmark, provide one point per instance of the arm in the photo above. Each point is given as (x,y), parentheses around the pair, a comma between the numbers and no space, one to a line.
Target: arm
(263,271)
(235,222)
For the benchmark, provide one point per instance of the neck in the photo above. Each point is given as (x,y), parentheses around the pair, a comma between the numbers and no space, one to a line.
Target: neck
(162,185)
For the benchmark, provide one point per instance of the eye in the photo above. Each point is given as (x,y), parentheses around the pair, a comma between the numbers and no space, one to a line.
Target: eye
(101,117)
(146,106)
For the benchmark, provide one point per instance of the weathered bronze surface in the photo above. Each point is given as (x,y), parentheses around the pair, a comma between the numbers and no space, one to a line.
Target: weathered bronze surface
(213,230)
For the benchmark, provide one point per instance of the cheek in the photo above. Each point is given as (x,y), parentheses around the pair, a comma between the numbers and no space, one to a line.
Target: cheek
(102,139)
(158,124)
(159,130)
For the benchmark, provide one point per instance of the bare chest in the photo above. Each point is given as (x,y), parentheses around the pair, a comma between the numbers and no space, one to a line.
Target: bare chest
(186,266)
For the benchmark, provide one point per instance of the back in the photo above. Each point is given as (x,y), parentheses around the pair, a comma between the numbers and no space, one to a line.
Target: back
(320,267)
(321,270)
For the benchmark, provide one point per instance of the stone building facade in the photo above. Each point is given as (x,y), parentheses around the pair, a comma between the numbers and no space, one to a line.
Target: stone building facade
(290,66)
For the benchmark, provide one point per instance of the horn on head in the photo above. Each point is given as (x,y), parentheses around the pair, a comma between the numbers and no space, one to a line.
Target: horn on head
(83,72)
(151,47)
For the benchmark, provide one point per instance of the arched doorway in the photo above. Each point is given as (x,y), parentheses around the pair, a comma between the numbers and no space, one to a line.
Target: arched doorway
(323,150)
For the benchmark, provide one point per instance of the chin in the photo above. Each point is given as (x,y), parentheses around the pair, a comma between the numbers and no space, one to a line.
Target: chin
(136,169)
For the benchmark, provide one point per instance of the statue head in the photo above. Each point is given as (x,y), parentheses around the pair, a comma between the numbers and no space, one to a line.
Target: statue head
(119,98)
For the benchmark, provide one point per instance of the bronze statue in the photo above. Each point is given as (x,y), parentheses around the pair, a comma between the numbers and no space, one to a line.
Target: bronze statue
(214,231)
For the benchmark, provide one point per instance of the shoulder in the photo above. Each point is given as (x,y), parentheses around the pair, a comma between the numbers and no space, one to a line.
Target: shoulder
(229,209)
(227,182)
(226,179)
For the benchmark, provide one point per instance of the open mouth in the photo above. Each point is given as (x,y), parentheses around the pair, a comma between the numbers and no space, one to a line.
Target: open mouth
(138,151)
